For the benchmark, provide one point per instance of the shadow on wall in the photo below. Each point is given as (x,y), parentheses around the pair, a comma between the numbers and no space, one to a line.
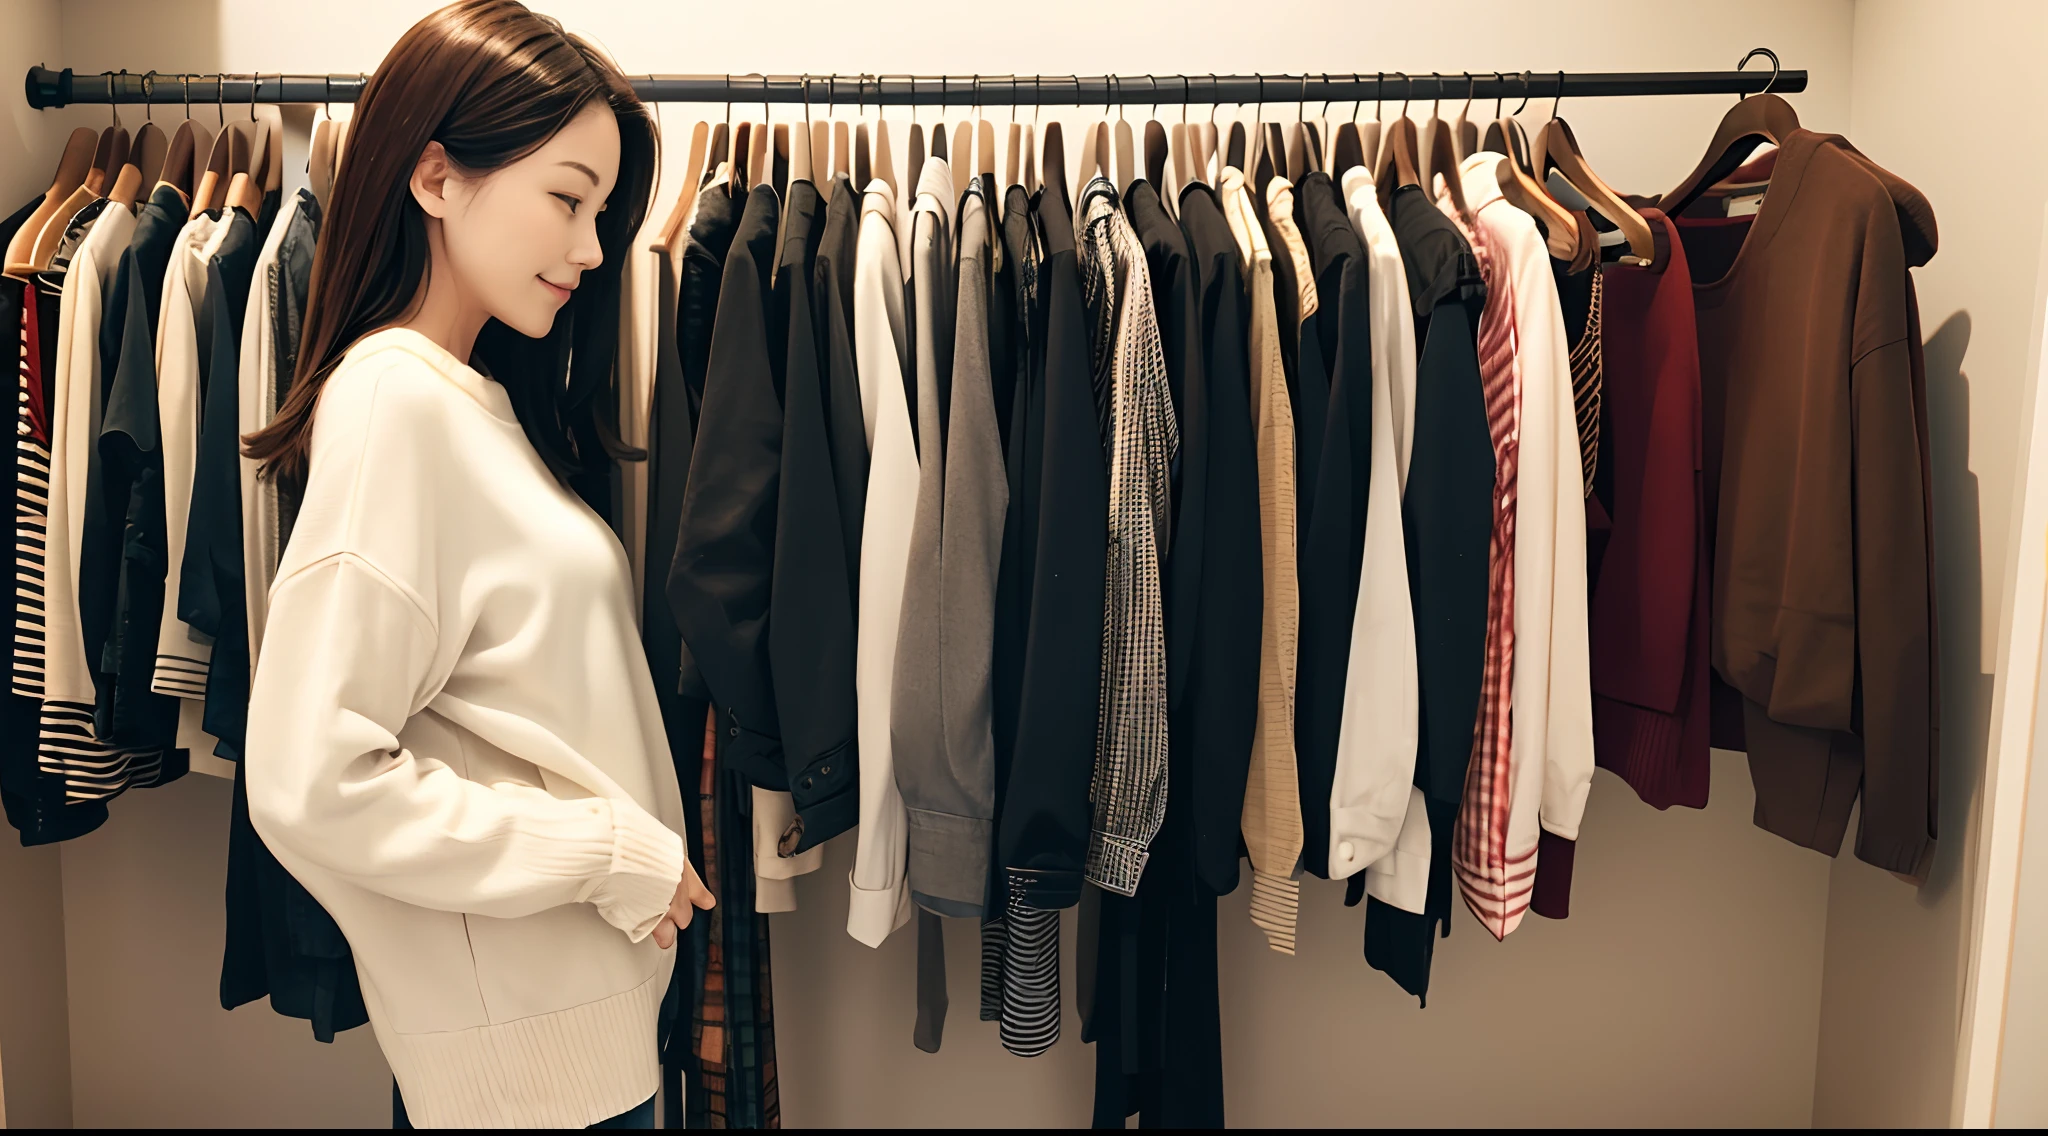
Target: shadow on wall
(1959,551)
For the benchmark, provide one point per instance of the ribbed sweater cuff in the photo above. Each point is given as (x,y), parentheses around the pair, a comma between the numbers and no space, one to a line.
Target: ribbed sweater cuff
(647,867)
(1276,902)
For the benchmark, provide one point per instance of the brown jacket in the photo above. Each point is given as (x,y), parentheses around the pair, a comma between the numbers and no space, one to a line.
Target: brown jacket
(1823,609)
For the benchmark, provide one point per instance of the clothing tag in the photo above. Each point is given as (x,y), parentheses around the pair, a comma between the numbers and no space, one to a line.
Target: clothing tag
(1745,206)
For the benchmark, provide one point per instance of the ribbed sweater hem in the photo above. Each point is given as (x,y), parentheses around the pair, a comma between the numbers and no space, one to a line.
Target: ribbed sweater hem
(568,1069)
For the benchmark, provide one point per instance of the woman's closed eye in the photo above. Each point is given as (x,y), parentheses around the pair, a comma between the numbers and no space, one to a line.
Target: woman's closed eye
(571,200)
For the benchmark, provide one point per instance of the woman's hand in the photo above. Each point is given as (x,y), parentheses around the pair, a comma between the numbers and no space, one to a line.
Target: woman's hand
(691,896)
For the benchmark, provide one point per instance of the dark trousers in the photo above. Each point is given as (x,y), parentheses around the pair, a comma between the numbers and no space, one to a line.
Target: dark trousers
(639,1116)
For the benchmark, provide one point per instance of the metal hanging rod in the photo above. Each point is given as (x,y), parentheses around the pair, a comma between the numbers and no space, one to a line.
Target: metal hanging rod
(47,88)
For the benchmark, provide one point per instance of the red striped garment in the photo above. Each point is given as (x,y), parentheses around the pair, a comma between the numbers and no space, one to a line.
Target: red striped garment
(1495,886)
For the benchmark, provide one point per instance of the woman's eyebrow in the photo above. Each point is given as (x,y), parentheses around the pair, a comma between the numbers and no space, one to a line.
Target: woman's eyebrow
(587,171)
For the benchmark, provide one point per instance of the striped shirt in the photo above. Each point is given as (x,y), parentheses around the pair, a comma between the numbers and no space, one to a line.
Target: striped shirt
(31,504)
(1495,886)
(1141,437)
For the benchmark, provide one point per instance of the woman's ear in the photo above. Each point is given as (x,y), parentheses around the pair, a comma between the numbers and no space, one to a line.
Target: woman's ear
(430,180)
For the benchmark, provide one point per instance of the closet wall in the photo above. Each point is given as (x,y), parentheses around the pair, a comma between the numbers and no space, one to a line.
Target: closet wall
(1709,973)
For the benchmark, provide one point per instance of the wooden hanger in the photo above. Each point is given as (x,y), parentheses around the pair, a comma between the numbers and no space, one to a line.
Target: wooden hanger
(151,147)
(961,152)
(1427,149)
(1523,191)
(985,151)
(761,159)
(72,166)
(842,150)
(1031,159)
(863,164)
(1762,117)
(693,176)
(1089,165)
(1124,146)
(1399,163)
(1270,150)
(884,157)
(1445,163)
(245,186)
(817,142)
(796,145)
(110,153)
(913,153)
(1053,163)
(778,158)
(182,160)
(1013,158)
(273,169)
(320,158)
(1556,146)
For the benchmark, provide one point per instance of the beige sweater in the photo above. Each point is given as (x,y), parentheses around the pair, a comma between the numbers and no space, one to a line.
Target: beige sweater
(454,744)
(1272,796)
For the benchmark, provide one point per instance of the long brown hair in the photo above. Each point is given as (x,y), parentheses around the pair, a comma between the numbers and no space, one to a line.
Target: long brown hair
(492,81)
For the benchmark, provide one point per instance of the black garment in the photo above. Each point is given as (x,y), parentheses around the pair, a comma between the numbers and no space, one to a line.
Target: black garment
(845,422)
(1331,543)
(123,561)
(639,1116)
(34,802)
(210,596)
(1215,714)
(1013,327)
(1447,515)
(1043,832)
(719,583)
(812,587)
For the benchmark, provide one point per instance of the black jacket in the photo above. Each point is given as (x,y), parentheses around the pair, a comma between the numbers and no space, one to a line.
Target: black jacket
(1332,539)
(210,594)
(1447,520)
(811,602)
(1043,833)
(720,581)
(123,563)
(845,423)
(1215,715)
(1014,326)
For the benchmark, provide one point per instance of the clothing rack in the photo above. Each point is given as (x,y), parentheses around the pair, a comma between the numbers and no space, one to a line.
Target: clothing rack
(47,88)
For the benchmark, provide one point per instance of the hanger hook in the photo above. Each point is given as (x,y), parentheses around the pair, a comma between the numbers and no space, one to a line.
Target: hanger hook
(149,96)
(1154,81)
(113,98)
(1767,53)
(1187,92)
(1379,88)
(1499,81)
(1557,99)
(650,91)
(1471,84)
(1301,100)
(1215,97)
(1259,108)
(220,96)
(1436,96)
(1407,90)
(1525,96)
(806,80)
(185,85)
(255,81)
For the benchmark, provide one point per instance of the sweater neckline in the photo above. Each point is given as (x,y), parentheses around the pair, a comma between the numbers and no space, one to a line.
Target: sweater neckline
(1793,158)
(488,393)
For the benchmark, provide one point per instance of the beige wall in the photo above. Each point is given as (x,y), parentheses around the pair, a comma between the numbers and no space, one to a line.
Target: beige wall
(1710,974)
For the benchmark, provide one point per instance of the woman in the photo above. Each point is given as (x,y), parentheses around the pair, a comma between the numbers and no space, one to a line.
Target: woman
(453,737)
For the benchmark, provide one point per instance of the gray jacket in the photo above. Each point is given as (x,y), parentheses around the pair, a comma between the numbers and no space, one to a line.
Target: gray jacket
(940,716)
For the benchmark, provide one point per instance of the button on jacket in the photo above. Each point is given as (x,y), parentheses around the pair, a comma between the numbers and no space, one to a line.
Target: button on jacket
(879,901)
(810,624)
(718,586)
(1213,717)
(1044,836)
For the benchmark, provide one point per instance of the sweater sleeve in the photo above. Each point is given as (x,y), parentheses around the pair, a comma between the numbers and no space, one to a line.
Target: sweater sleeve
(350,658)
(1892,616)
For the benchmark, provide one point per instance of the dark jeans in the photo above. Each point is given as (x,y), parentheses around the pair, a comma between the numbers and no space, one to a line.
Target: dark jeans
(639,1116)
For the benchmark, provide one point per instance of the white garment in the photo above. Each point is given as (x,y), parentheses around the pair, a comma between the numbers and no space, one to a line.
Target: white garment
(880,900)
(68,745)
(256,379)
(181,660)
(1551,765)
(1374,784)
(455,744)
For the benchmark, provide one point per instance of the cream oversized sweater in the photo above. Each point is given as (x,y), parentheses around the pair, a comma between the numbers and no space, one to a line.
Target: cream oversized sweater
(454,744)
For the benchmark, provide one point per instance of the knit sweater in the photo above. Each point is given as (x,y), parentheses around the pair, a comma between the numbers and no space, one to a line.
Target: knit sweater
(454,744)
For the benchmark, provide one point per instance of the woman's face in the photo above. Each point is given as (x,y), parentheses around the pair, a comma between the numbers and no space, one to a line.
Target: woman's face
(520,238)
